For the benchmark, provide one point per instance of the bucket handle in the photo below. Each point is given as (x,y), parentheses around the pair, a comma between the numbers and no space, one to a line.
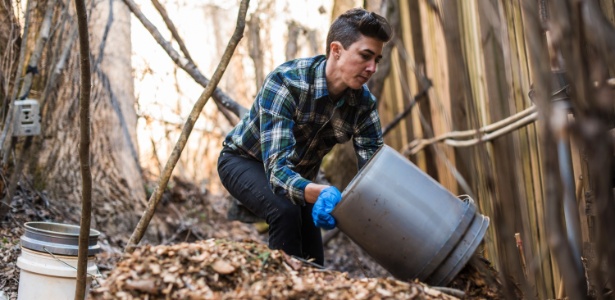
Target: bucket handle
(94,276)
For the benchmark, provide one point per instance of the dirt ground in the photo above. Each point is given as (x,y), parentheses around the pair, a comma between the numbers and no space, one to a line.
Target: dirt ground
(190,216)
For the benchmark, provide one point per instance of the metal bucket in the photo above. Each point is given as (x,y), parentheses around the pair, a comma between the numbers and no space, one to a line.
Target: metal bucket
(62,239)
(49,258)
(408,222)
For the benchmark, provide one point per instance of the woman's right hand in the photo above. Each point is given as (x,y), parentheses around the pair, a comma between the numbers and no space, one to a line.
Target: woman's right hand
(326,202)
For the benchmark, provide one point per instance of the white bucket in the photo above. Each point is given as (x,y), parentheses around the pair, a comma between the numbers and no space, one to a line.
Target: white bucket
(49,277)
(49,258)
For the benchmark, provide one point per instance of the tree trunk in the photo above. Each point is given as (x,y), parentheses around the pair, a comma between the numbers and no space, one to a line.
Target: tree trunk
(9,52)
(118,193)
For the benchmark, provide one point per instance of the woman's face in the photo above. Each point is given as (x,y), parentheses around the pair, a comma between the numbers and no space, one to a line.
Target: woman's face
(358,63)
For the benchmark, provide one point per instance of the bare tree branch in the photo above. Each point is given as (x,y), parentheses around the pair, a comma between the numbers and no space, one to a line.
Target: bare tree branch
(569,265)
(222,100)
(183,139)
(103,43)
(599,31)
(489,132)
(406,111)
(173,29)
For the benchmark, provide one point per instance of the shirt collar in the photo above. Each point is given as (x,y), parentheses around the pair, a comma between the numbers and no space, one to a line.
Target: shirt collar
(320,81)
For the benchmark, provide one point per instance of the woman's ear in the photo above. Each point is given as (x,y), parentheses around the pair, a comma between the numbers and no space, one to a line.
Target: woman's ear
(336,49)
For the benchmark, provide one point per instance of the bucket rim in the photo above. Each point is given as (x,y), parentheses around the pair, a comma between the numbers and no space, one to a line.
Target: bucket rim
(32,227)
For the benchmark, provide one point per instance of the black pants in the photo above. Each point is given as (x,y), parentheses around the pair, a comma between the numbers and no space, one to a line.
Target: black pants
(291,227)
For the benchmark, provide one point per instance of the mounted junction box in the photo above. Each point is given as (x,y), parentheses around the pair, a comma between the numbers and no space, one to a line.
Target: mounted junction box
(27,119)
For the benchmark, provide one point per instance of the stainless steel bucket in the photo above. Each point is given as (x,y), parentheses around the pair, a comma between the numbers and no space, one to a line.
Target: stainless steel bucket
(62,239)
(408,222)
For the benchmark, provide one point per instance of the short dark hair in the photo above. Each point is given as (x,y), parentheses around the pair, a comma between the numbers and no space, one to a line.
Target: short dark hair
(348,27)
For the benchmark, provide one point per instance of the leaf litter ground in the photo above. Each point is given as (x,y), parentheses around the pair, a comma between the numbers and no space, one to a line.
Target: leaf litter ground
(202,255)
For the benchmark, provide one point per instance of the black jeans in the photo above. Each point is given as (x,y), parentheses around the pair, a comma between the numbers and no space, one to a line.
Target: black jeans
(291,227)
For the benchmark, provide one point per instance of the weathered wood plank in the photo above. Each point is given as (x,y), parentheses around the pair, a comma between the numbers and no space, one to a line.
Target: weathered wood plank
(437,69)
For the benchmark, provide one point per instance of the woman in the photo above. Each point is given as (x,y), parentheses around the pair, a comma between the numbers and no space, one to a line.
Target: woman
(303,109)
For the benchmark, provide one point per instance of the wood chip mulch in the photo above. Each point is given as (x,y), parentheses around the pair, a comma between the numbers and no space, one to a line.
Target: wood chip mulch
(479,280)
(221,269)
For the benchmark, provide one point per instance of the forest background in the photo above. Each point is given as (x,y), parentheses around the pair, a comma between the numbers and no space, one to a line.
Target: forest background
(470,91)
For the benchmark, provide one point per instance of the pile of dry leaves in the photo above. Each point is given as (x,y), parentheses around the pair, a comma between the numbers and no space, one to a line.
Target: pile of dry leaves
(221,269)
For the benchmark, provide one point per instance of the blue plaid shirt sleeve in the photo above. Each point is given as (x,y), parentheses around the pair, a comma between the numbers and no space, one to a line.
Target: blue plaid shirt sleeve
(277,139)
(368,135)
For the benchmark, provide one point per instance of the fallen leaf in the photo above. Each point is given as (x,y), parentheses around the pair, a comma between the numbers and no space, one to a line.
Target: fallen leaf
(223,267)
(293,263)
(147,286)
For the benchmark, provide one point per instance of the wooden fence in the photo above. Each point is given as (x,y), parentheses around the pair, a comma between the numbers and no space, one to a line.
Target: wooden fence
(473,59)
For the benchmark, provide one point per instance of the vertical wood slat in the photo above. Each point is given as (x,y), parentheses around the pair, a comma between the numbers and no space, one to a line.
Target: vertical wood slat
(461,113)
(473,50)
(497,95)
(440,102)
(508,211)
(474,55)
(386,108)
(399,135)
(530,152)
(408,41)
(415,63)
(531,206)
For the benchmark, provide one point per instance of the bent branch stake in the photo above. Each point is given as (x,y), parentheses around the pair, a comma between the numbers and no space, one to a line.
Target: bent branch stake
(84,149)
(137,235)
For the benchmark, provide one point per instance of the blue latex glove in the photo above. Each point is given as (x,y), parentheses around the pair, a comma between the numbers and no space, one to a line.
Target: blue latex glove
(326,202)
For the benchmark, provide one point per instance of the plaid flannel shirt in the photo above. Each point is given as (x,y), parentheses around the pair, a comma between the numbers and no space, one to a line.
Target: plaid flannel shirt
(293,124)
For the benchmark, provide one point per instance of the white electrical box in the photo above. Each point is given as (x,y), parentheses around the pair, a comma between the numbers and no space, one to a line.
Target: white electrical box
(27,118)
